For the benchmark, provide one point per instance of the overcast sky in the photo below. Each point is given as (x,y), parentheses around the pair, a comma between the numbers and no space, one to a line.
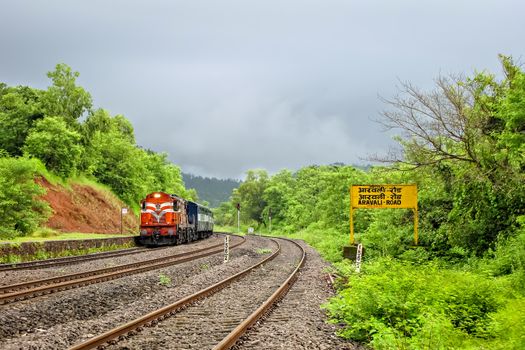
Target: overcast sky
(226,86)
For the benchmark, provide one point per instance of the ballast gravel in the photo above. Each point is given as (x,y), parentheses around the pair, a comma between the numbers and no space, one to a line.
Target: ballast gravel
(297,321)
(205,323)
(26,275)
(60,320)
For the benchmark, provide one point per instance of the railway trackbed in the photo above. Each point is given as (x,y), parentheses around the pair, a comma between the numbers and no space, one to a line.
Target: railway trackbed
(21,291)
(70,259)
(216,316)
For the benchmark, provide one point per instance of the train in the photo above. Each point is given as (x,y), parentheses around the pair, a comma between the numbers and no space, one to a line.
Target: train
(167,219)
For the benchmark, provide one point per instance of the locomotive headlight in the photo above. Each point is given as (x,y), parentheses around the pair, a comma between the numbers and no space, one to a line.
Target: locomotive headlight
(156,195)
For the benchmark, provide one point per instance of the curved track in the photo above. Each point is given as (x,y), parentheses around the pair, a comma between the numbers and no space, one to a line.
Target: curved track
(21,291)
(223,311)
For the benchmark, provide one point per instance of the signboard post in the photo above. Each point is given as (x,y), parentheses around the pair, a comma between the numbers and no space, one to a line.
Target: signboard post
(383,197)
(238,217)
(123,212)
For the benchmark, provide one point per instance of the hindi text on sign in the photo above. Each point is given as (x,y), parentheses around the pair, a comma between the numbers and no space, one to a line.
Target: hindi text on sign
(384,196)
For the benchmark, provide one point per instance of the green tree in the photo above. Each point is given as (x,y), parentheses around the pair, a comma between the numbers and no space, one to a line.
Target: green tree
(225,214)
(469,133)
(112,156)
(19,109)
(56,145)
(250,195)
(21,210)
(101,125)
(64,98)
(102,121)
(277,195)
(120,165)
(164,176)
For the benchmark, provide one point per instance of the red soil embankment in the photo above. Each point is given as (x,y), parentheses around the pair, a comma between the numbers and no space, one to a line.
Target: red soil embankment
(85,209)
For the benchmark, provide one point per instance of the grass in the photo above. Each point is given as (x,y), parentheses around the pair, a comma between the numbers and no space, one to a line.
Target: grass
(43,255)
(50,235)
(230,229)
(164,280)
(104,190)
(262,251)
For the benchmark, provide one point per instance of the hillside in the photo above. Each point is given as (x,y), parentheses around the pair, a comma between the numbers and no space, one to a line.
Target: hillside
(58,132)
(85,208)
(214,191)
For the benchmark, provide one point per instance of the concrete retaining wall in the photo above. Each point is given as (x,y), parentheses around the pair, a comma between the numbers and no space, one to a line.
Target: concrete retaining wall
(53,248)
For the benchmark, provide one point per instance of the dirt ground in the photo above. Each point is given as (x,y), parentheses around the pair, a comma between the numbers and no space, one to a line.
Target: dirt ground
(85,209)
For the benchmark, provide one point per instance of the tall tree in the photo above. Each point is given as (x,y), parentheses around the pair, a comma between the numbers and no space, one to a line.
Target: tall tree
(64,98)
(469,132)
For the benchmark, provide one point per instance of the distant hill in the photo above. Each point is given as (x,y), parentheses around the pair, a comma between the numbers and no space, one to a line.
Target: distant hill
(213,190)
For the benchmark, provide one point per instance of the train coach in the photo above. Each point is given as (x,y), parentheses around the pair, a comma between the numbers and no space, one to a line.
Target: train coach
(169,219)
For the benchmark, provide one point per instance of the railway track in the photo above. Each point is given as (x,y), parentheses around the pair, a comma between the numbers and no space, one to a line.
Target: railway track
(216,316)
(21,291)
(70,259)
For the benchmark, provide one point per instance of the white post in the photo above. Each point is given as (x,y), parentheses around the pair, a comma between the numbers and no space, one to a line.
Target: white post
(226,248)
(358,257)
(270,223)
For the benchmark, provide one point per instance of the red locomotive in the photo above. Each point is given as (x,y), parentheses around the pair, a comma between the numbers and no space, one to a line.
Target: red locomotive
(168,219)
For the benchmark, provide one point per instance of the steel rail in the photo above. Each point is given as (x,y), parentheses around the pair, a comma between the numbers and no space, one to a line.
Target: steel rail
(234,335)
(73,276)
(154,317)
(35,264)
(112,273)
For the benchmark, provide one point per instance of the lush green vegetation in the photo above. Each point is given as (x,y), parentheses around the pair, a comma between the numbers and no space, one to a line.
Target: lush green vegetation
(58,132)
(463,287)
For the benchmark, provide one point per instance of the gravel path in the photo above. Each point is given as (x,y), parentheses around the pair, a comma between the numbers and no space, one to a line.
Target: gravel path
(298,322)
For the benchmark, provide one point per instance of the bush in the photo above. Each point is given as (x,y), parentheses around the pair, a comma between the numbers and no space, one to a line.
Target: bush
(508,258)
(20,209)
(396,304)
(508,326)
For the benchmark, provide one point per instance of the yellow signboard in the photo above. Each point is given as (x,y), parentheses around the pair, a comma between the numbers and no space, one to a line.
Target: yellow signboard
(383,196)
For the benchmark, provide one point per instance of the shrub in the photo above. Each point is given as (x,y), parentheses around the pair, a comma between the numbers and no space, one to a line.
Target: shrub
(396,304)
(508,326)
(509,258)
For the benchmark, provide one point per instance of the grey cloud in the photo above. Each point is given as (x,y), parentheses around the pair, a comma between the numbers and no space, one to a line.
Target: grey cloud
(224,86)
